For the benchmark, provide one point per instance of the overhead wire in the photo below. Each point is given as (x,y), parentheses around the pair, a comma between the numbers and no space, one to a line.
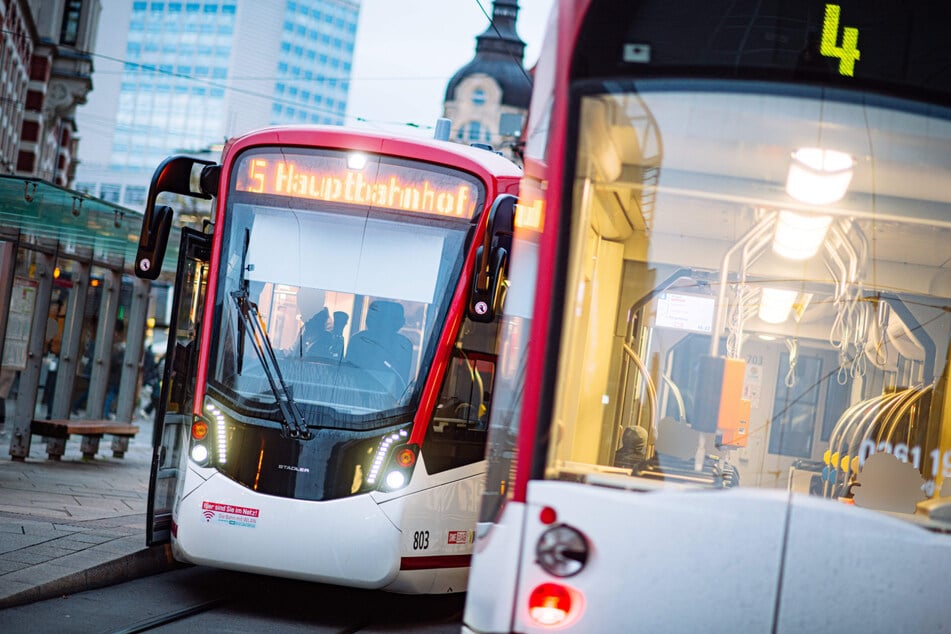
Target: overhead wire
(130,66)
(311,109)
(495,28)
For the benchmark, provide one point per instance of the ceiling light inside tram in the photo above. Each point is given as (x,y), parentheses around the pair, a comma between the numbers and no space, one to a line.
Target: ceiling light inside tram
(799,235)
(775,304)
(819,177)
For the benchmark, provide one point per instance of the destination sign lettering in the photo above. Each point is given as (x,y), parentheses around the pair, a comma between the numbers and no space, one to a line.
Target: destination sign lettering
(327,178)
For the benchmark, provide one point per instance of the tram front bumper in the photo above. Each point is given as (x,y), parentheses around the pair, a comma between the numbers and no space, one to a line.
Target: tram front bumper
(347,541)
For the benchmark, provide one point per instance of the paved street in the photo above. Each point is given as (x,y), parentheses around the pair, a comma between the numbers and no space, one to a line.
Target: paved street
(75,524)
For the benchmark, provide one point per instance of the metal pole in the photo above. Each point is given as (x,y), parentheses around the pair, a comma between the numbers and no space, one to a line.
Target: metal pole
(8,261)
(105,329)
(135,337)
(69,353)
(30,377)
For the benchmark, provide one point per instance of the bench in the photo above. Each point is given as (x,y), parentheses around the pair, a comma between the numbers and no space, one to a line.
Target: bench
(90,430)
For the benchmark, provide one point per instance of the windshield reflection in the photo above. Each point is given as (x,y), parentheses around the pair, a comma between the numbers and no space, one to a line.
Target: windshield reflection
(349,304)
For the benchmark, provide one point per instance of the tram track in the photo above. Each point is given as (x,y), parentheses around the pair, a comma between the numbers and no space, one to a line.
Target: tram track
(198,598)
(182,614)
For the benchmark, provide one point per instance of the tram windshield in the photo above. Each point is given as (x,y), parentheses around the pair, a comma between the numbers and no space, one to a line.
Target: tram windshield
(349,263)
(758,293)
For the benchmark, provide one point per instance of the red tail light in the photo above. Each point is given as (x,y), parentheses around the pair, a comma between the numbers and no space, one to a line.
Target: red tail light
(549,604)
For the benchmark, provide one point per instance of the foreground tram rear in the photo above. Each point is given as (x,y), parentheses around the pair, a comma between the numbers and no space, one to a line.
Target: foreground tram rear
(325,399)
(733,414)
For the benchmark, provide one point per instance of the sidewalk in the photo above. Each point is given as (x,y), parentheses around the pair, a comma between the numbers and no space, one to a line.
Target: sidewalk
(74,525)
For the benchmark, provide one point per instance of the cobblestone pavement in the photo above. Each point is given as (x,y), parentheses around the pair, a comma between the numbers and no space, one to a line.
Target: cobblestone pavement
(74,524)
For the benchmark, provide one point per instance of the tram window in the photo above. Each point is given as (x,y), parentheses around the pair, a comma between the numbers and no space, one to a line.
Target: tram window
(837,401)
(457,433)
(795,407)
(684,373)
(458,429)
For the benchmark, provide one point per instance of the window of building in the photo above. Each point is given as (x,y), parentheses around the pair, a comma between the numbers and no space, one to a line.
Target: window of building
(134,195)
(70,27)
(110,192)
(510,124)
(478,96)
(474,131)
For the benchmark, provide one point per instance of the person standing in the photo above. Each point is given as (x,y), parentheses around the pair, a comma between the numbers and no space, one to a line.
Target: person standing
(116,359)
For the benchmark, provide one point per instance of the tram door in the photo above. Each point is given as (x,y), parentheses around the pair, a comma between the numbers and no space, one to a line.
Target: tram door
(173,416)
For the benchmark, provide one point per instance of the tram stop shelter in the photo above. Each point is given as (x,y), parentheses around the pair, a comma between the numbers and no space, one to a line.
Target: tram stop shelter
(70,309)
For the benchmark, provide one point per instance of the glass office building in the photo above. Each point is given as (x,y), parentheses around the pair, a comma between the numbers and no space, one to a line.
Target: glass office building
(184,76)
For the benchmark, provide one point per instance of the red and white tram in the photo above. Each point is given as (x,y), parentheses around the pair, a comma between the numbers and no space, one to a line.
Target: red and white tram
(325,398)
(722,402)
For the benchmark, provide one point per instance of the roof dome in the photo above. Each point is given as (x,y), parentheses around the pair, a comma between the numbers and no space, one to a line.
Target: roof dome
(499,54)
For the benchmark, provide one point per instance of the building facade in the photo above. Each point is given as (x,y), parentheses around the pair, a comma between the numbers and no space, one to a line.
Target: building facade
(17,38)
(186,75)
(487,99)
(46,74)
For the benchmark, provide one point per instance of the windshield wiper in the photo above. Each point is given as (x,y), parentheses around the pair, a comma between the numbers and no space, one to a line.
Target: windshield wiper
(292,421)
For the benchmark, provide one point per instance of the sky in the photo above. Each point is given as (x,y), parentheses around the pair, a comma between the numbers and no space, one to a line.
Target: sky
(406,52)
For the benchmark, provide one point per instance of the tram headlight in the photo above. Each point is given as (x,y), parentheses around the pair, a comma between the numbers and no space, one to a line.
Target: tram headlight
(199,434)
(395,479)
(209,434)
(392,464)
(562,551)
(200,454)
(399,467)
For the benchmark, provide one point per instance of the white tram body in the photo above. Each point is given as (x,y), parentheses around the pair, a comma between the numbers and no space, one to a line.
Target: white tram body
(323,413)
(223,524)
(725,403)
(755,546)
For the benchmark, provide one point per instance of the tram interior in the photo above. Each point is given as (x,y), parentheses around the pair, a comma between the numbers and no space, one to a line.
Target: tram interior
(719,331)
(349,329)
(350,351)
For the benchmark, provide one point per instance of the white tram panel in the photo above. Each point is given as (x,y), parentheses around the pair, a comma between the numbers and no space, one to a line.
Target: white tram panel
(223,524)
(436,516)
(862,555)
(706,567)
(358,541)
(497,546)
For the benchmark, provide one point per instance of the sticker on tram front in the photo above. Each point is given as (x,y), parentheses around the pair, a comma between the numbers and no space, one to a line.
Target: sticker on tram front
(229,514)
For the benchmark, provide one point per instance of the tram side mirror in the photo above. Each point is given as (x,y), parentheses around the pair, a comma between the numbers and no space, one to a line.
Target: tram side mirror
(492,260)
(174,176)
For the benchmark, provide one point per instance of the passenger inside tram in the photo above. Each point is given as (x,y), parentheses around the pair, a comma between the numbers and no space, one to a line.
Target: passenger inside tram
(380,346)
(748,330)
